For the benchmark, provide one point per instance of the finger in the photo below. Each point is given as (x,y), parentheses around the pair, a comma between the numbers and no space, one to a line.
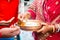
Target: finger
(44,23)
(41,30)
(13,30)
(15,33)
(20,17)
(17,28)
(11,26)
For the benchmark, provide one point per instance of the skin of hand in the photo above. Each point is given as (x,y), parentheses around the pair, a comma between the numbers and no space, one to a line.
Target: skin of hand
(10,32)
(45,28)
(24,16)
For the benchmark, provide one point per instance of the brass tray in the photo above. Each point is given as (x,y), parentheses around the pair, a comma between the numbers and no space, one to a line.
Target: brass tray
(29,25)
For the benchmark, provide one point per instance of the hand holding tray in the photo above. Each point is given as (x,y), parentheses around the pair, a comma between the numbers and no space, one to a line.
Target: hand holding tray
(29,25)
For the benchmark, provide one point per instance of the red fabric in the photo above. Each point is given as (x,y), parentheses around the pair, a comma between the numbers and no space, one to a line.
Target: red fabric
(33,14)
(52,13)
(8,10)
(54,9)
(54,36)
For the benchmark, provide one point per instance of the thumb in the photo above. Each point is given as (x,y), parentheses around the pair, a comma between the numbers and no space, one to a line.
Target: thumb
(41,30)
(44,24)
(20,17)
(13,30)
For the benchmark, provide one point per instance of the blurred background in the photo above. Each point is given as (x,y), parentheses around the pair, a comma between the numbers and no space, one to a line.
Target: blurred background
(24,35)
(24,5)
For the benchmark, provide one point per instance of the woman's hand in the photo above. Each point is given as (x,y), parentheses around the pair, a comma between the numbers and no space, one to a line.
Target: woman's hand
(46,28)
(10,32)
(24,16)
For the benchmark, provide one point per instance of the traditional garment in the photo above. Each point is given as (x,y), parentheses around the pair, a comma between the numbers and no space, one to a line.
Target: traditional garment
(7,11)
(47,11)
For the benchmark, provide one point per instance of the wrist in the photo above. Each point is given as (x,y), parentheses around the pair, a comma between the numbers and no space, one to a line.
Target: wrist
(52,28)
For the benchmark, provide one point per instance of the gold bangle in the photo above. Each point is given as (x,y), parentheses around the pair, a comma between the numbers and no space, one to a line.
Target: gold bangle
(57,27)
(53,28)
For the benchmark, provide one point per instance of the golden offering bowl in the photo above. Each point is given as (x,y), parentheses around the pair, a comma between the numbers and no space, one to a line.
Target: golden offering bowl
(29,25)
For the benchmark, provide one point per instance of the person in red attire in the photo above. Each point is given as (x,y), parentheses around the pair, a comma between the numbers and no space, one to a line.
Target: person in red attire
(8,13)
(47,11)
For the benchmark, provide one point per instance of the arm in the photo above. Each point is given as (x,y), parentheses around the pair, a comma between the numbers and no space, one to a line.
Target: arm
(54,26)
